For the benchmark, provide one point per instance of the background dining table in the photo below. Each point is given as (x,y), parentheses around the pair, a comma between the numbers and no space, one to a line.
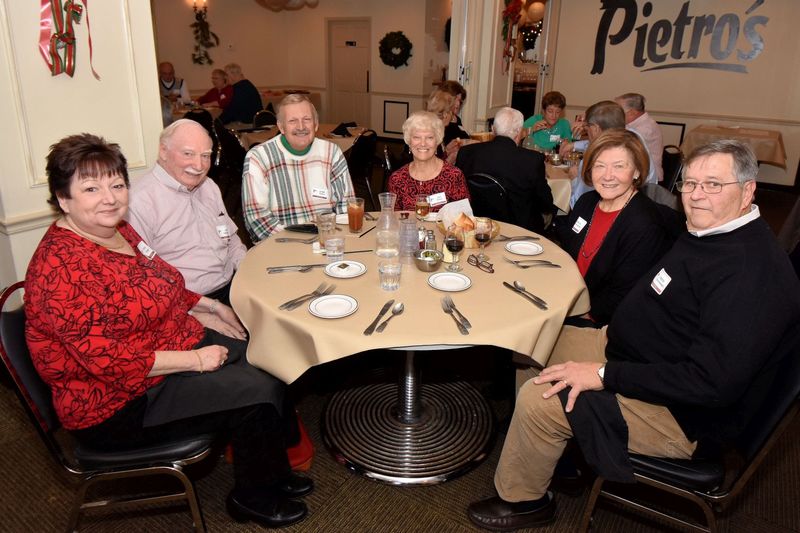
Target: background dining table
(560,185)
(251,138)
(410,432)
(766,144)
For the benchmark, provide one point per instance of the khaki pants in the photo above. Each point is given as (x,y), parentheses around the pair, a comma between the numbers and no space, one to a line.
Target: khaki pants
(539,429)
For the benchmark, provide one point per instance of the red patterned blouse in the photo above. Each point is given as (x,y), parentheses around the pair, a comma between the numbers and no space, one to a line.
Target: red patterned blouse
(95,318)
(450,181)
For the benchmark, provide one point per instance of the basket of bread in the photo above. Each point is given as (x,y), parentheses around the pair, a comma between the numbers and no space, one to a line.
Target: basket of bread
(460,214)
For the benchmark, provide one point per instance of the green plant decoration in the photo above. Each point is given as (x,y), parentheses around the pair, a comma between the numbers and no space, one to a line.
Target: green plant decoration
(204,38)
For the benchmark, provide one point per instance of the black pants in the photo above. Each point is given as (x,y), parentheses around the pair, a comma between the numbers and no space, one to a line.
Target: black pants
(259,434)
(223,294)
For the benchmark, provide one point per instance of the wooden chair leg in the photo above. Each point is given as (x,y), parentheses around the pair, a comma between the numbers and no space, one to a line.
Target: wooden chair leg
(591,503)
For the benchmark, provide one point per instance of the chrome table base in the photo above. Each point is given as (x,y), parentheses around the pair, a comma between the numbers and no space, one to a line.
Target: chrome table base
(411,434)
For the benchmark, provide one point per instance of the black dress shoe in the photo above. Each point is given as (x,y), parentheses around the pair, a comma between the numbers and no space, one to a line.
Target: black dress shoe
(497,514)
(296,486)
(262,508)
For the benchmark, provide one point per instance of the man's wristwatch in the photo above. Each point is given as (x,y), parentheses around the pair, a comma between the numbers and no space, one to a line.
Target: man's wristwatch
(601,373)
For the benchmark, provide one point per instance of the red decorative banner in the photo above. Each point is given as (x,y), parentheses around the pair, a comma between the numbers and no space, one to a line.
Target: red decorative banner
(57,35)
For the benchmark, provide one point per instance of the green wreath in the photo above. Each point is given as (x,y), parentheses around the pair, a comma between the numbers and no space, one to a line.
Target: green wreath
(395,49)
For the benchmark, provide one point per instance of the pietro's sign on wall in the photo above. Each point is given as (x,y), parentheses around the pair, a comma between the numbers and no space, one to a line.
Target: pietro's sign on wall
(689,40)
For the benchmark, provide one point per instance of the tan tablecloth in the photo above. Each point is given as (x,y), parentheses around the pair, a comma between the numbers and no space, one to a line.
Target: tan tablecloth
(250,139)
(767,144)
(287,343)
(560,185)
(215,111)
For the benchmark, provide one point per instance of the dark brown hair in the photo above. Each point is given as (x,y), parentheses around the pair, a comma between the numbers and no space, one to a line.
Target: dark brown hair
(553,98)
(616,138)
(78,156)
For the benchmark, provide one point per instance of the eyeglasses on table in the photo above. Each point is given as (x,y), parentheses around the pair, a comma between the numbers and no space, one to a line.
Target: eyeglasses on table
(486,266)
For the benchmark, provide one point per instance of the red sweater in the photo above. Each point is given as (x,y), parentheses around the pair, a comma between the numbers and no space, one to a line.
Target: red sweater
(95,318)
(450,181)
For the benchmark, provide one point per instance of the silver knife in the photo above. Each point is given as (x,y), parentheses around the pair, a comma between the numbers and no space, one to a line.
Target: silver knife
(283,267)
(538,302)
(371,328)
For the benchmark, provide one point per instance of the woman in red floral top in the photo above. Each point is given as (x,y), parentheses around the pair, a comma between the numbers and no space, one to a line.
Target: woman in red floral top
(426,174)
(122,344)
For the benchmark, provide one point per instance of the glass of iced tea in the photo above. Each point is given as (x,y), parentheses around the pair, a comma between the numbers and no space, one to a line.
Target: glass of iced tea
(355,214)
(423,206)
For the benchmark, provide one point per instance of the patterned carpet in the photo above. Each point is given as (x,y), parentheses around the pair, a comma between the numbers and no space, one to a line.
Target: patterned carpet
(36,496)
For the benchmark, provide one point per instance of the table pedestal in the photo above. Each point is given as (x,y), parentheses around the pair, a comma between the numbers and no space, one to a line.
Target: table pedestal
(410,434)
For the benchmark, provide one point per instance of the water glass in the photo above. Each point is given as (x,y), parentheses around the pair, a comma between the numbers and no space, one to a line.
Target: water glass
(389,274)
(334,248)
(409,238)
(326,225)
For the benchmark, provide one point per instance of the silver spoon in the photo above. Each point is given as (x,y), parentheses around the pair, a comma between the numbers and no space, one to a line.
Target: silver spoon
(396,310)
(519,286)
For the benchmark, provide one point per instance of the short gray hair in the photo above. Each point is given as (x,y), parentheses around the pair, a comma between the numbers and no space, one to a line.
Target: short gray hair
(745,164)
(508,122)
(296,98)
(423,120)
(233,68)
(633,101)
(169,131)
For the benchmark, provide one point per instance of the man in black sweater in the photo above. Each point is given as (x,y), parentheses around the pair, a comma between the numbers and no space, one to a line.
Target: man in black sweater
(519,170)
(246,100)
(689,355)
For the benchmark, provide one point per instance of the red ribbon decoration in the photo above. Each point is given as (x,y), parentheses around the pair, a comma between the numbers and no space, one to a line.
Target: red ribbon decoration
(57,36)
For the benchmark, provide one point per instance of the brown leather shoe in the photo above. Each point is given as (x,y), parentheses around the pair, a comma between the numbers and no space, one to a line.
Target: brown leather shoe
(497,514)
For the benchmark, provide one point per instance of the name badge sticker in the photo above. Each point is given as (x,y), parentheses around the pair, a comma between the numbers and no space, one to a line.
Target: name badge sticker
(554,138)
(579,225)
(223,231)
(319,192)
(146,250)
(437,199)
(660,282)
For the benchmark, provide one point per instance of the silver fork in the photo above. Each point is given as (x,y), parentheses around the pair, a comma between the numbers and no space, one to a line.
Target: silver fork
(452,306)
(312,294)
(449,310)
(294,239)
(301,302)
(502,238)
(532,263)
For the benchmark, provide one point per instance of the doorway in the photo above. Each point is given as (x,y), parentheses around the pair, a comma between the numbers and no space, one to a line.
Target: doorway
(348,93)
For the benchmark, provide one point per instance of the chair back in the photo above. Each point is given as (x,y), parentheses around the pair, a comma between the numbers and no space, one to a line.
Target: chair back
(672,163)
(360,162)
(228,175)
(264,118)
(489,198)
(203,117)
(33,392)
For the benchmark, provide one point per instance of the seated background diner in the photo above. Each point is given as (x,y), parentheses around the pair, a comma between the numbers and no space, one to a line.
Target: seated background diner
(549,128)
(459,94)
(245,101)
(614,233)
(441,104)
(426,174)
(122,344)
(221,93)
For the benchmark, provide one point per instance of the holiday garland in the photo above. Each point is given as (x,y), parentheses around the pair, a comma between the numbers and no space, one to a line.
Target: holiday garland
(57,42)
(395,49)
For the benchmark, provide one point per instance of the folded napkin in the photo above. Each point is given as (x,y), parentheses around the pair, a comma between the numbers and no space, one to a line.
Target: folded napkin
(449,212)
(341,129)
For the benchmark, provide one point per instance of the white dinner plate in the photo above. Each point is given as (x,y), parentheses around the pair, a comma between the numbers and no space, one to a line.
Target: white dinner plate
(342,219)
(524,247)
(449,281)
(333,306)
(345,269)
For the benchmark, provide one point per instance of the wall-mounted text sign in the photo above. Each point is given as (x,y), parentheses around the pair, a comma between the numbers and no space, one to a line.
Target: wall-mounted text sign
(730,40)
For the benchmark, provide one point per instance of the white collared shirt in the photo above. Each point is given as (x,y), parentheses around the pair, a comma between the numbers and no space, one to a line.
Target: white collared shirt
(736,223)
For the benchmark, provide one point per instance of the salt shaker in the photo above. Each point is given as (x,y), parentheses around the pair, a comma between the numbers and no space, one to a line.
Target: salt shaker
(430,240)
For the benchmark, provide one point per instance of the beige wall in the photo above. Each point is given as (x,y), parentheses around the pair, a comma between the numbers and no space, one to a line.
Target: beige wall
(288,48)
(766,96)
(38,109)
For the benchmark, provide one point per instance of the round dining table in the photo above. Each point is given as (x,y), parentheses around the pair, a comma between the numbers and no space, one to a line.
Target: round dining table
(406,433)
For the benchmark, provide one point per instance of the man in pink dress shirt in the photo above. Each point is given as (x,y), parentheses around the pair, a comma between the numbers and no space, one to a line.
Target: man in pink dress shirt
(638,120)
(179,212)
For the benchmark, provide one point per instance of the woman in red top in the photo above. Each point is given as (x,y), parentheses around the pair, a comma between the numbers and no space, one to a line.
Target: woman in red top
(221,93)
(614,233)
(426,174)
(121,342)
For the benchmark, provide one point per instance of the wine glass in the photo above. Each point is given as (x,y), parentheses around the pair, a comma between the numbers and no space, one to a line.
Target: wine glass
(483,234)
(454,241)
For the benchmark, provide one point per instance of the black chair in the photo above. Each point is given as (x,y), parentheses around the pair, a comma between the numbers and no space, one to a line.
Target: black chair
(264,118)
(202,116)
(227,173)
(489,198)
(672,163)
(360,162)
(712,485)
(92,466)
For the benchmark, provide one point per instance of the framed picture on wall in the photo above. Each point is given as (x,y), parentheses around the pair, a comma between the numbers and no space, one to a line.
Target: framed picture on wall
(394,114)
